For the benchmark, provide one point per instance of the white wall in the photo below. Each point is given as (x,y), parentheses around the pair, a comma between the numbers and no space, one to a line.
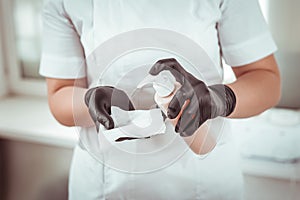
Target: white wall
(284,23)
(285,26)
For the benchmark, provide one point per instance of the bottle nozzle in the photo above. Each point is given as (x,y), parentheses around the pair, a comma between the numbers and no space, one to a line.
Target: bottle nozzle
(149,79)
(163,83)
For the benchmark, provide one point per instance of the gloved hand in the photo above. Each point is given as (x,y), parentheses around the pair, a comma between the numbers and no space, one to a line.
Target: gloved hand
(205,102)
(100,100)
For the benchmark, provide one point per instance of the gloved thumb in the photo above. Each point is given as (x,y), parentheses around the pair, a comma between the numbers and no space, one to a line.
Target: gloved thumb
(177,103)
(106,120)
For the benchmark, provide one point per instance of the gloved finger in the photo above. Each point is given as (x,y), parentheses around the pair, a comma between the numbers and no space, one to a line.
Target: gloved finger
(106,120)
(177,103)
(93,109)
(190,130)
(172,65)
(130,105)
(120,98)
(190,116)
(100,115)
(124,104)
(94,114)
(189,122)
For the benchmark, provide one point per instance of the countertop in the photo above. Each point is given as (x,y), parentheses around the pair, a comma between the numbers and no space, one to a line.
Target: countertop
(29,119)
(269,146)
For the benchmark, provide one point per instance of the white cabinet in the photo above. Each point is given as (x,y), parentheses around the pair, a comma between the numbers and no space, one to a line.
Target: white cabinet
(270,152)
(266,188)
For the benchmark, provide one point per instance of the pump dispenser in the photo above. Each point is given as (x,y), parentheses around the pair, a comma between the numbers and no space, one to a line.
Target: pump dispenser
(165,86)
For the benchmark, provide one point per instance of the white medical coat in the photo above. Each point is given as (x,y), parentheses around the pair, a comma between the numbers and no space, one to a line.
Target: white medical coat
(73,31)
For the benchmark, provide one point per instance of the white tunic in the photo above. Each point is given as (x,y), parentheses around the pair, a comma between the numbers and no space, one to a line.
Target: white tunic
(83,37)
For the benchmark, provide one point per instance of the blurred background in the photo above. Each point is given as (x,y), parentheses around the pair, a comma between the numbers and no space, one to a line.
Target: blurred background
(35,151)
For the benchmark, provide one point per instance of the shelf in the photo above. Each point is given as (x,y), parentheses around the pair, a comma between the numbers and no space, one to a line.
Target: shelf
(29,119)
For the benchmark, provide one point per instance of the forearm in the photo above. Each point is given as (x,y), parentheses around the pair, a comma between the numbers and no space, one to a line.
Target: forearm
(68,107)
(255,91)
(201,142)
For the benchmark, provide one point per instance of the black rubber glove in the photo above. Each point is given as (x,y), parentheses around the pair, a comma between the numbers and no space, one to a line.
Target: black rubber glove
(206,102)
(100,100)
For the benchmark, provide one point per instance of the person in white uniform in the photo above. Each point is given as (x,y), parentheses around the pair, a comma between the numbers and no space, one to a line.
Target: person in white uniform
(230,29)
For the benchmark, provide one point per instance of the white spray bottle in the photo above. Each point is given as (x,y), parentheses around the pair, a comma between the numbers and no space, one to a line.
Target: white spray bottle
(165,86)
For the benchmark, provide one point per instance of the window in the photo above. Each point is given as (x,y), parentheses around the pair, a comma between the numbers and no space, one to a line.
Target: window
(28,25)
(21,25)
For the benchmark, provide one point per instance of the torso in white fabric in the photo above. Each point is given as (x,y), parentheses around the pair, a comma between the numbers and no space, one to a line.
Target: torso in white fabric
(121,39)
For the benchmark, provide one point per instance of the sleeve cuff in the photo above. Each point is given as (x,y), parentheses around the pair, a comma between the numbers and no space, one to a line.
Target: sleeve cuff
(249,51)
(62,67)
